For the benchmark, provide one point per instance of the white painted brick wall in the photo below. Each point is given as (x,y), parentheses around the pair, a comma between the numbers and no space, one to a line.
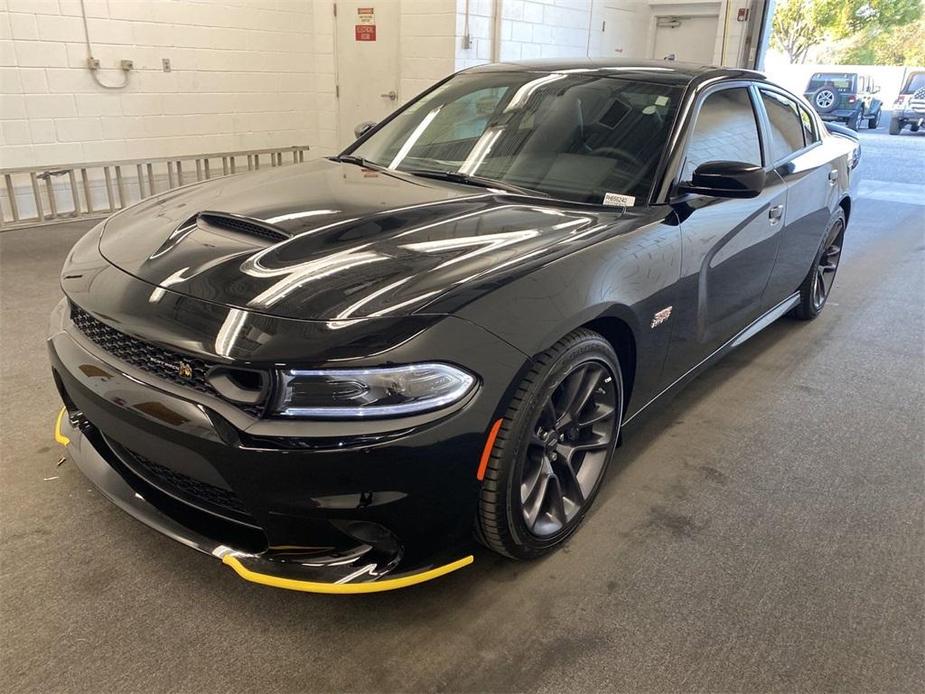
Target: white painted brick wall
(428,35)
(243,77)
(529,29)
(533,29)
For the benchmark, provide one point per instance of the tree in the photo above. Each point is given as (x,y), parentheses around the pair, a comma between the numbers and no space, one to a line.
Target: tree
(903,45)
(799,25)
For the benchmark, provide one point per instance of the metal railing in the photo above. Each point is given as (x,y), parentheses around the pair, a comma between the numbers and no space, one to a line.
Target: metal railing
(45,195)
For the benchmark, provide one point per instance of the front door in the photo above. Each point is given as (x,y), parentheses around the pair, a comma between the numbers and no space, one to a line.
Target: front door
(367,56)
(729,245)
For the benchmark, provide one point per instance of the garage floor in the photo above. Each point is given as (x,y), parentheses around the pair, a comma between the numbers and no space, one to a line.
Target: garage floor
(765,532)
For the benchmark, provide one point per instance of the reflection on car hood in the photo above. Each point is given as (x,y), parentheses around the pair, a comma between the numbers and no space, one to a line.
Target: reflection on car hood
(336,241)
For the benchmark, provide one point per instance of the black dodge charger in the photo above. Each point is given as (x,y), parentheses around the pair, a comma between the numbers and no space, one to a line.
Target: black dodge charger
(335,376)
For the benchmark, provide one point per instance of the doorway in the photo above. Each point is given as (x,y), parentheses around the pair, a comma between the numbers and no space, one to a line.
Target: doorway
(367,56)
(687,39)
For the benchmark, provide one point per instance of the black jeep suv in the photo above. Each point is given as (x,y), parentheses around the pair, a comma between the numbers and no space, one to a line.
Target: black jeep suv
(845,96)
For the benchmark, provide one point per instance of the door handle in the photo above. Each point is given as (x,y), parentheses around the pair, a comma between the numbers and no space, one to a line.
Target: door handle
(833,176)
(775,213)
(392,94)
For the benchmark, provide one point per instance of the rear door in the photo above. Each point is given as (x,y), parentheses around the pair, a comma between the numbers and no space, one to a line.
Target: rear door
(800,159)
(729,245)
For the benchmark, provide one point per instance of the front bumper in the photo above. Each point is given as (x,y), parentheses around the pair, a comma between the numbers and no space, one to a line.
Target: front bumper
(909,116)
(352,518)
(332,574)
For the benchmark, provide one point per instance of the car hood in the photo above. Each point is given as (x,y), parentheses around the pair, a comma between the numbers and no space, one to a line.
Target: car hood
(325,240)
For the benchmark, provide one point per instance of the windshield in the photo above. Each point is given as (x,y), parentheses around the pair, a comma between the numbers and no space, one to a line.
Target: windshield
(916,82)
(571,136)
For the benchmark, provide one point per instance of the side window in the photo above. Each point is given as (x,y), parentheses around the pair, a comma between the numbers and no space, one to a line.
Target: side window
(786,125)
(809,127)
(726,130)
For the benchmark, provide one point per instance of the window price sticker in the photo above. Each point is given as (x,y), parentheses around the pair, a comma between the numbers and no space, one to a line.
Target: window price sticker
(618,200)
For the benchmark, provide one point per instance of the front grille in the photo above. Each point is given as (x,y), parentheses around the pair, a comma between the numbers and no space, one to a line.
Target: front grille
(213,511)
(181,369)
(184,486)
(917,103)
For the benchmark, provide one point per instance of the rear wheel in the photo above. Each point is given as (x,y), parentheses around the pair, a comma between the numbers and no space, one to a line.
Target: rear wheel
(553,448)
(874,121)
(817,286)
(854,121)
(896,126)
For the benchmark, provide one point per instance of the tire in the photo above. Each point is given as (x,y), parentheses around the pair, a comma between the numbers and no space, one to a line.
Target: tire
(504,515)
(810,305)
(874,121)
(854,121)
(914,128)
(896,126)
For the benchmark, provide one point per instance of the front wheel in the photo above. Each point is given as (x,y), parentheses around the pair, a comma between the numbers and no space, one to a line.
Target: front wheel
(553,448)
(874,121)
(817,286)
(896,126)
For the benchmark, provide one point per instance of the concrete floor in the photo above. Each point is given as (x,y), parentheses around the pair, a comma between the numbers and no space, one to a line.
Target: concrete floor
(764,533)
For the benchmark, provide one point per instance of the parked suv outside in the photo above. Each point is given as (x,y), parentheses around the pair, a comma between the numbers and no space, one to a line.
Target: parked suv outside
(845,96)
(909,108)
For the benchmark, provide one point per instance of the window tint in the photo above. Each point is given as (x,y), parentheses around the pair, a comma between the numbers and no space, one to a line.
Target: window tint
(809,127)
(573,136)
(726,130)
(915,82)
(786,125)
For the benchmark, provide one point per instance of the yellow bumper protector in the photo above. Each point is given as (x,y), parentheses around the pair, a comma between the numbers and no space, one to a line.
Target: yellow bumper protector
(343,588)
(59,437)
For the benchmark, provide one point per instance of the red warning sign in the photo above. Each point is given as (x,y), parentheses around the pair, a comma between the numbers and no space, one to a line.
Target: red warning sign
(365,32)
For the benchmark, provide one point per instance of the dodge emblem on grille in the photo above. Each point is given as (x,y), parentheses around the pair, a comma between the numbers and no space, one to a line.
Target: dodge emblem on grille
(184,370)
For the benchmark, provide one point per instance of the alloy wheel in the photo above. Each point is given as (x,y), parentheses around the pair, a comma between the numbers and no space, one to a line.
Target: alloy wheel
(827,266)
(568,448)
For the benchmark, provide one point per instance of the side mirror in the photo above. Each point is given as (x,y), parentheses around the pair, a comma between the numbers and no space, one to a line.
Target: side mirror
(875,89)
(363,128)
(726,179)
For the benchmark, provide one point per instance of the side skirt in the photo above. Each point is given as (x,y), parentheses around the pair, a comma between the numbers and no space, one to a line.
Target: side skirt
(750,331)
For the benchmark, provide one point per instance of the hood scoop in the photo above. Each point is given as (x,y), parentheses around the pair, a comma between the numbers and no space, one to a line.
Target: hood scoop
(241,225)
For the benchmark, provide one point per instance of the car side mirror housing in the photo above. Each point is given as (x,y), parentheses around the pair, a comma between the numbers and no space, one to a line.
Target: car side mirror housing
(363,128)
(726,179)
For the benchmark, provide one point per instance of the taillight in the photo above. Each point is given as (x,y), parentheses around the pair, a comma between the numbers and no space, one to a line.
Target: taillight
(852,99)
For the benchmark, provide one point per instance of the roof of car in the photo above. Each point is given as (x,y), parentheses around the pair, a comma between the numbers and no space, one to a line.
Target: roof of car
(660,71)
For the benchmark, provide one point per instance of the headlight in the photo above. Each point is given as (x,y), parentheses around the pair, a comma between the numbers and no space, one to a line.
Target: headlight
(370,393)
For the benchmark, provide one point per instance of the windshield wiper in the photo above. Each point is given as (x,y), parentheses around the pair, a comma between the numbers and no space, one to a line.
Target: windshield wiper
(353,159)
(470,180)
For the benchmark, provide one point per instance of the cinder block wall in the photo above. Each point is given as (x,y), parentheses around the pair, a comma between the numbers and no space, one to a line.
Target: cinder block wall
(528,29)
(242,77)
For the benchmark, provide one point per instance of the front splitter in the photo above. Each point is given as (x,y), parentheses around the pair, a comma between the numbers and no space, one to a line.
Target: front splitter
(360,577)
